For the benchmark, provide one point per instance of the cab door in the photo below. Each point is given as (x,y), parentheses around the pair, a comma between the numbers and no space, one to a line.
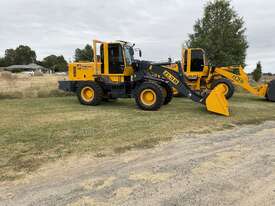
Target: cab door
(197,61)
(195,69)
(116,59)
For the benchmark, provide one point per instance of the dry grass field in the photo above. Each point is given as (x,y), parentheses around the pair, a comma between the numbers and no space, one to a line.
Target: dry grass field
(38,130)
(24,86)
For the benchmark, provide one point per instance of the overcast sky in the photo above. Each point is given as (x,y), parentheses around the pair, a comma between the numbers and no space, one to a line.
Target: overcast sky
(158,27)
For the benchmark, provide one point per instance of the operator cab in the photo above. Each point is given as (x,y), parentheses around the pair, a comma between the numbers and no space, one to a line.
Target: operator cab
(194,63)
(197,60)
(120,56)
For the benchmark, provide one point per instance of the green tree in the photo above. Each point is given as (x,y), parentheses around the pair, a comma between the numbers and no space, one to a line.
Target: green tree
(221,33)
(257,73)
(56,63)
(2,62)
(10,57)
(85,54)
(24,55)
(21,55)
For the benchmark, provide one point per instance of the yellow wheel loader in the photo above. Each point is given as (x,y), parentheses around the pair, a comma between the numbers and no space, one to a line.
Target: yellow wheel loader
(201,77)
(114,73)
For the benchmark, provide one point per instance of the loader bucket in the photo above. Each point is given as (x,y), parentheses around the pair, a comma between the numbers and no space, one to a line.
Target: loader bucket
(216,101)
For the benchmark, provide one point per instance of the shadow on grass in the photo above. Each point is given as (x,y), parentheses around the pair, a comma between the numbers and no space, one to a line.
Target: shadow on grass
(254,121)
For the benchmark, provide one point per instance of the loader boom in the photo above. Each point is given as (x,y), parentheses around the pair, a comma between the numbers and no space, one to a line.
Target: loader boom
(176,79)
(215,101)
(241,79)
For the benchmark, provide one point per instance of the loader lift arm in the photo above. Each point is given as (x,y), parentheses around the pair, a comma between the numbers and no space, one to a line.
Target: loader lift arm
(241,79)
(215,101)
(176,79)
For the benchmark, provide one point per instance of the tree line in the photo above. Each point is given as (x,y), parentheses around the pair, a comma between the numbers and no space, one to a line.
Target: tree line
(23,55)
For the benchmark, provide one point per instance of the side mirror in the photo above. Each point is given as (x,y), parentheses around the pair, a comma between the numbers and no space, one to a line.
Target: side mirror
(132,51)
(139,53)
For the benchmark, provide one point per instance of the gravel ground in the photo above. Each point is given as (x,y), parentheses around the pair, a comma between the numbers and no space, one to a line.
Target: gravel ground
(233,167)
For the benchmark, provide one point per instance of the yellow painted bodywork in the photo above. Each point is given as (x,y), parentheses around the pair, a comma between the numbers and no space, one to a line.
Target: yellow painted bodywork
(83,71)
(235,74)
(88,71)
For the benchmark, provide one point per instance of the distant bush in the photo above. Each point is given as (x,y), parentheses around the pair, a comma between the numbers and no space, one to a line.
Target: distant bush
(257,73)
(52,93)
(42,94)
(34,93)
(13,95)
(59,93)
(17,87)
(38,74)
(8,75)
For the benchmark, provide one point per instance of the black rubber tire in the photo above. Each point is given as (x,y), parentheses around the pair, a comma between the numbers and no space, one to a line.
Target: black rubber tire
(105,99)
(159,96)
(98,93)
(169,96)
(231,88)
(270,94)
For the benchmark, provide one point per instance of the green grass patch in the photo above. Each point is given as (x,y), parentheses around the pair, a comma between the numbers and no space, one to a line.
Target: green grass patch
(39,130)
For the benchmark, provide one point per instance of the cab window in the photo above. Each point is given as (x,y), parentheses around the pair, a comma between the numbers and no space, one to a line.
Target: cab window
(128,56)
(197,61)
(116,61)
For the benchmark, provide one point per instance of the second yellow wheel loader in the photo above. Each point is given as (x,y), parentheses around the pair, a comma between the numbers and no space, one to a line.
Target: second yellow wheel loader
(201,77)
(114,73)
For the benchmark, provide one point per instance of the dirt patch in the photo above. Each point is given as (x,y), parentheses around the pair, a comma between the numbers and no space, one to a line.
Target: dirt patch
(151,177)
(122,193)
(87,201)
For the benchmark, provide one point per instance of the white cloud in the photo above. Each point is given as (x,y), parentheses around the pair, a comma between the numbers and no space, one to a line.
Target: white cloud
(159,27)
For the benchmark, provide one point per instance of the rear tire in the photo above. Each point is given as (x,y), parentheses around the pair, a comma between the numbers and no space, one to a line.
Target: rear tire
(228,83)
(270,94)
(89,93)
(149,96)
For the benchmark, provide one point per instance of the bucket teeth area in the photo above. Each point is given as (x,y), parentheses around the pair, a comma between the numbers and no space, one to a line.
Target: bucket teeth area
(216,101)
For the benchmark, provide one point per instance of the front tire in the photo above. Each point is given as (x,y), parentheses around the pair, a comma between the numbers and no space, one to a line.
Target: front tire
(149,96)
(270,94)
(168,94)
(89,93)
(230,87)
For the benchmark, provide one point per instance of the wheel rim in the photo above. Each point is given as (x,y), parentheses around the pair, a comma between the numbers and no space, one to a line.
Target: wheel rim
(148,97)
(87,94)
